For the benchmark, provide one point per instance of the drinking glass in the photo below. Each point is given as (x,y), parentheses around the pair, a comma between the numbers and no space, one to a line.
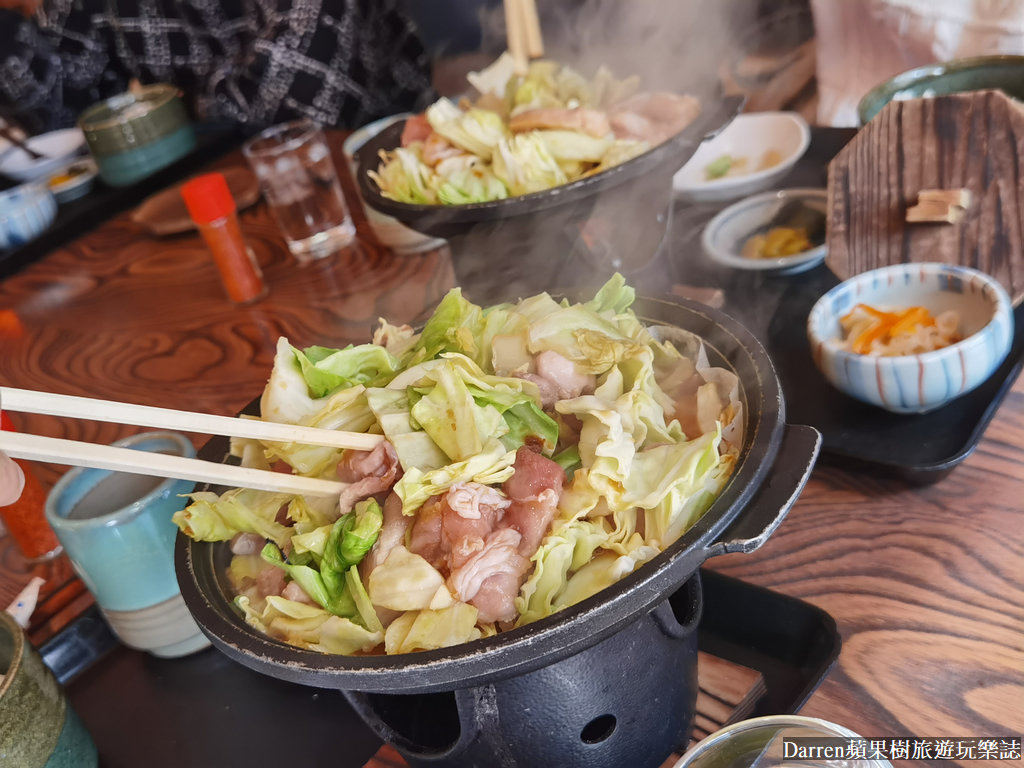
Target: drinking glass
(297,175)
(759,743)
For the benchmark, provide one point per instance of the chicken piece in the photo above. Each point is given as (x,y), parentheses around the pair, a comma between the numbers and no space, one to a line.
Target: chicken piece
(293,591)
(471,511)
(367,473)
(416,128)
(496,563)
(437,148)
(562,372)
(534,489)
(496,599)
(392,533)
(427,539)
(653,117)
(548,390)
(630,125)
(270,581)
(557,379)
(589,121)
(247,544)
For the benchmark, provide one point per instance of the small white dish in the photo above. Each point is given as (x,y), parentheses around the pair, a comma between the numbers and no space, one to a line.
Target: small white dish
(749,137)
(26,211)
(73,180)
(59,147)
(726,233)
(922,382)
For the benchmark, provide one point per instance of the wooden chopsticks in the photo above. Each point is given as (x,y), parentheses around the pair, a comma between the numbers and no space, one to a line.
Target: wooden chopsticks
(69,406)
(522,29)
(57,450)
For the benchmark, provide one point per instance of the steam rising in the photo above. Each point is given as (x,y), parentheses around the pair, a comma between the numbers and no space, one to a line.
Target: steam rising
(683,46)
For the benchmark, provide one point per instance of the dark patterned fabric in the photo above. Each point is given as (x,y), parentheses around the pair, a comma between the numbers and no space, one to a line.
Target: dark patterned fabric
(258,62)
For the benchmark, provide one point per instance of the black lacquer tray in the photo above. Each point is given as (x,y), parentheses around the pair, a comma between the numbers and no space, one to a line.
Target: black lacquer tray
(207,710)
(916,448)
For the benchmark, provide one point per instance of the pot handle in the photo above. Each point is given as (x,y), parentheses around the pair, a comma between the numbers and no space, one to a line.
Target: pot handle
(797,455)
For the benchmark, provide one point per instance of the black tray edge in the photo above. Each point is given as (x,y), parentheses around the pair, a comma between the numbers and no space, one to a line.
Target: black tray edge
(795,649)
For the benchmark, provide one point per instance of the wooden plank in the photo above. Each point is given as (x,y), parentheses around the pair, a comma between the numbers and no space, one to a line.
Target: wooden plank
(971,141)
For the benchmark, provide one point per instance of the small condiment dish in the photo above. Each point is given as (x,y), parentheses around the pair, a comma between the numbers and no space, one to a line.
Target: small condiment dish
(768,144)
(58,148)
(922,382)
(74,180)
(26,211)
(726,234)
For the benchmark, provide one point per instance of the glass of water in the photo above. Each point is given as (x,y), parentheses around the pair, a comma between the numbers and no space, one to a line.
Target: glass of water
(296,173)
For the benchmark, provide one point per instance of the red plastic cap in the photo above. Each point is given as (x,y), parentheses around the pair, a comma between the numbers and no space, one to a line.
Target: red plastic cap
(208,198)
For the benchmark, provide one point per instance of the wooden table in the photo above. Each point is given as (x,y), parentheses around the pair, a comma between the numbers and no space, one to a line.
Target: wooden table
(926,583)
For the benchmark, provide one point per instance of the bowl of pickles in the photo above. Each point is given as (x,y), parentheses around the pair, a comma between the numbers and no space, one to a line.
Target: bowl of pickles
(782,232)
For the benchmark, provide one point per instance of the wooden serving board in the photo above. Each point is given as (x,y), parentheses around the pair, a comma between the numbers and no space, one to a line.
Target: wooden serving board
(971,141)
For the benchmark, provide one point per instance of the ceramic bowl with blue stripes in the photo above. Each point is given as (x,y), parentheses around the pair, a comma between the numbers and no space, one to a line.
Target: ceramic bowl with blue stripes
(923,382)
(25,212)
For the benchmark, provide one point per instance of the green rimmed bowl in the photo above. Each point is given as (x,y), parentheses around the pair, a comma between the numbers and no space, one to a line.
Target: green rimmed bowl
(136,133)
(979,73)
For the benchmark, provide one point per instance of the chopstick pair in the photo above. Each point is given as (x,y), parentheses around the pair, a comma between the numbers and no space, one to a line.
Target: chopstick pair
(522,29)
(61,451)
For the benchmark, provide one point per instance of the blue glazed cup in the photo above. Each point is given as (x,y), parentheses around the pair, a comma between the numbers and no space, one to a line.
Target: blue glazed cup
(116,528)
(38,727)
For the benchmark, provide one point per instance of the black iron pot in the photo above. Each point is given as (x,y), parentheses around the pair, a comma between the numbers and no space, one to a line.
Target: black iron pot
(528,243)
(588,653)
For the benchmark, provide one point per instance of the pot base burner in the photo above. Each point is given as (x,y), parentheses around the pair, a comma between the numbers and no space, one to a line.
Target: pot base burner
(605,706)
(226,709)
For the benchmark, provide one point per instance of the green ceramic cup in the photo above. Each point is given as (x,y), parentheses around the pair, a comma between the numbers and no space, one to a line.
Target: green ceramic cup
(979,73)
(38,727)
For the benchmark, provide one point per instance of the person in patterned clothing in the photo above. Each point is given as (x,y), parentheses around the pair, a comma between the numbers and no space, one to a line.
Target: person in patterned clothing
(253,62)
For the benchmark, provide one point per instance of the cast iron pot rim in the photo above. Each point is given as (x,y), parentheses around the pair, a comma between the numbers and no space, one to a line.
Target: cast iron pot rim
(543,642)
(716,113)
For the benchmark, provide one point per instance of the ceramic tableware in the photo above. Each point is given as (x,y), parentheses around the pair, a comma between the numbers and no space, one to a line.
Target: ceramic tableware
(978,73)
(760,743)
(25,212)
(725,235)
(38,726)
(57,147)
(116,528)
(922,382)
(136,133)
(751,154)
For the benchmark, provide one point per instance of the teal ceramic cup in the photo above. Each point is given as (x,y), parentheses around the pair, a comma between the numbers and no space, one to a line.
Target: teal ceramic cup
(38,727)
(116,528)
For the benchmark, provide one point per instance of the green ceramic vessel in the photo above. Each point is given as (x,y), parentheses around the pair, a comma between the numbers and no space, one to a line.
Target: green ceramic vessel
(38,727)
(980,73)
(136,133)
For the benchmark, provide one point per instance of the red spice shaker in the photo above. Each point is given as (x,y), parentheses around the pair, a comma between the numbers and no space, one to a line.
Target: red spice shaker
(213,209)
(25,519)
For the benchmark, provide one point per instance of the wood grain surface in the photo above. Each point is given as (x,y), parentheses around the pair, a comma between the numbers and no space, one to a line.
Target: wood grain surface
(971,141)
(926,584)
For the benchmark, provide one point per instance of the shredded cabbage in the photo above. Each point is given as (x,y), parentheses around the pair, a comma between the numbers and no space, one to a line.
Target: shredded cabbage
(646,447)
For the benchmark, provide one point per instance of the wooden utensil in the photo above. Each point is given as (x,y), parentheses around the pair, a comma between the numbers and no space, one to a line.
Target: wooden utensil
(16,140)
(968,141)
(522,28)
(79,454)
